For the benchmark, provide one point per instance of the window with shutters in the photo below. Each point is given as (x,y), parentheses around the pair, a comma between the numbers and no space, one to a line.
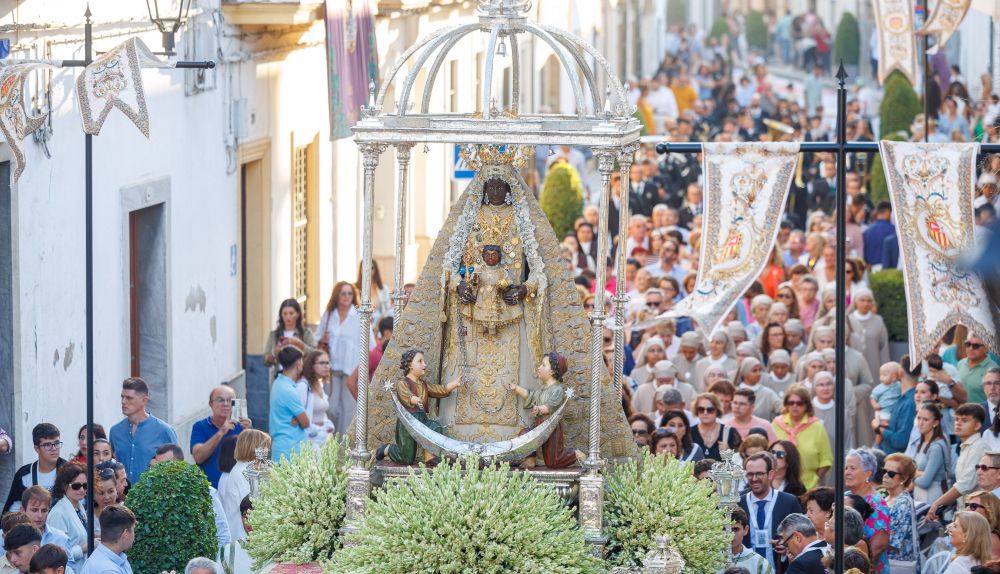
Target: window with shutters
(300,225)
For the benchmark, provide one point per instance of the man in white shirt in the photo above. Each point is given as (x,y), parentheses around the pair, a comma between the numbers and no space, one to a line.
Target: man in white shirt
(968,420)
(662,98)
(638,235)
(765,506)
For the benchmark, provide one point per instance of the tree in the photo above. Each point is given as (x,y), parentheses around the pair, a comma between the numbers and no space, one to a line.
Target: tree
(900,105)
(848,42)
(890,294)
(756,30)
(562,198)
(720,28)
(175,521)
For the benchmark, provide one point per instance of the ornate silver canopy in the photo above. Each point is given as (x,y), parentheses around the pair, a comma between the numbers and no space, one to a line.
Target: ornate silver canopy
(601,118)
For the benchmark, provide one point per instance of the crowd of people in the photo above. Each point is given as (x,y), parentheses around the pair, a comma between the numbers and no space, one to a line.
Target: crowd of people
(923,437)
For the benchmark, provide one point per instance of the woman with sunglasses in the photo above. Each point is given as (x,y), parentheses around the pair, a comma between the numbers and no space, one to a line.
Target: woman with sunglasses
(859,468)
(786,295)
(987,505)
(933,456)
(677,421)
(904,545)
(67,513)
(105,495)
(799,426)
(642,430)
(787,468)
(711,435)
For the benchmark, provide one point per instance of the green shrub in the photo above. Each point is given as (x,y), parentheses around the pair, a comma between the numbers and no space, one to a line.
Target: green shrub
(175,521)
(663,496)
(472,521)
(879,190)
(562,197)
(848,42)
(300,509)
(677,12)
(756,30)
(890,295)
(720,28)
(899,106)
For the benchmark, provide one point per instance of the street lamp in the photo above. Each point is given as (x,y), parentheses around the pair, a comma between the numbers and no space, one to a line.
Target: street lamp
(727,476)
(258,472)
(165,20)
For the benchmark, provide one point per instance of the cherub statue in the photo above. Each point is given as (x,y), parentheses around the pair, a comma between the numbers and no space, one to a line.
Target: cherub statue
(544,401)
(414,394)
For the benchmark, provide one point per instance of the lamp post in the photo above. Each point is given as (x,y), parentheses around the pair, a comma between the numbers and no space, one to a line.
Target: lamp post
(727,476)
(258,472)
(165,20)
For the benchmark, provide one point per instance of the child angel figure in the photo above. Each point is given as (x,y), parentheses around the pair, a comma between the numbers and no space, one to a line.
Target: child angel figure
(544,401)
(415,395)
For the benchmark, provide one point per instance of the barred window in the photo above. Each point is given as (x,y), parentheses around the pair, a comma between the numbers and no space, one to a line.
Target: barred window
(300,225)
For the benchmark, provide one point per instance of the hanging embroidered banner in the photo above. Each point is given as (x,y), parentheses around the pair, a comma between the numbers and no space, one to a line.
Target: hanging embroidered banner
(897,48)
(352,61)
(931,187)
(944,20)
(746,190)
(115,81)
(15,122)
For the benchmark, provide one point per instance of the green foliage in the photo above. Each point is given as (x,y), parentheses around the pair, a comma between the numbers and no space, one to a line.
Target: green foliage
(300,509)
(890,295)
(756,30)
(879,190)
(677,12)
(899,106)
(847,46)
(472,521)
(720,28)
(562,198)
(175,521)
(662,495)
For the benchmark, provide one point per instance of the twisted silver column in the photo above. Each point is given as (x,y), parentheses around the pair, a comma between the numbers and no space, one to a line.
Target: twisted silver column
(358,477)
(403,167)
(621,299)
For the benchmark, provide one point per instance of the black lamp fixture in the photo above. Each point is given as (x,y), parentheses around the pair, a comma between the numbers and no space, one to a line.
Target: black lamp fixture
(169,16)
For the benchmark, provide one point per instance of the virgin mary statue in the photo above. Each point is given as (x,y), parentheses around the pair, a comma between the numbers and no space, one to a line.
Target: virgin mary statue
(491,300)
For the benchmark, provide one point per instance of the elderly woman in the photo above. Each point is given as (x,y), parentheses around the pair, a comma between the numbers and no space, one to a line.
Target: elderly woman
(652,351)
(799,425)
(642,429)
(688,355)
(808,304)
(721,353)
(854,530)
(779,372)
(68,512)
(811,364)
(873,330)
(987,505)
(711,435)
(904,545)
(859,467)
(818,503)
(750,375)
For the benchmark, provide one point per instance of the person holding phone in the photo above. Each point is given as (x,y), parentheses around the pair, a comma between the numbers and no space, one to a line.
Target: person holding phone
(208,433)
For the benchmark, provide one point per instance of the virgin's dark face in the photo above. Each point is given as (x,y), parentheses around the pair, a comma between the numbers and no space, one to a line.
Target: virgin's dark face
(496,191)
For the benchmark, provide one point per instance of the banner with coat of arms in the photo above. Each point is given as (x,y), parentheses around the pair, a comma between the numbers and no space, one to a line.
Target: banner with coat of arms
(944,20)
(932,188)
(746,187)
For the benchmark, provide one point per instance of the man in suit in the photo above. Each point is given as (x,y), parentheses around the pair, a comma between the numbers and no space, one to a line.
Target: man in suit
(765,506)
(991,386)
(822,189)
(614,206)
(804,548)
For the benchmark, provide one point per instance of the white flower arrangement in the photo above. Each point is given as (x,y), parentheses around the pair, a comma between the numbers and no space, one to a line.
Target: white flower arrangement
(301,507)
(466,521)
(661,495)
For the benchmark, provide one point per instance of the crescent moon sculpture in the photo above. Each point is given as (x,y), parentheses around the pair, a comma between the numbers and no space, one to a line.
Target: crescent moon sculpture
(511,450)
